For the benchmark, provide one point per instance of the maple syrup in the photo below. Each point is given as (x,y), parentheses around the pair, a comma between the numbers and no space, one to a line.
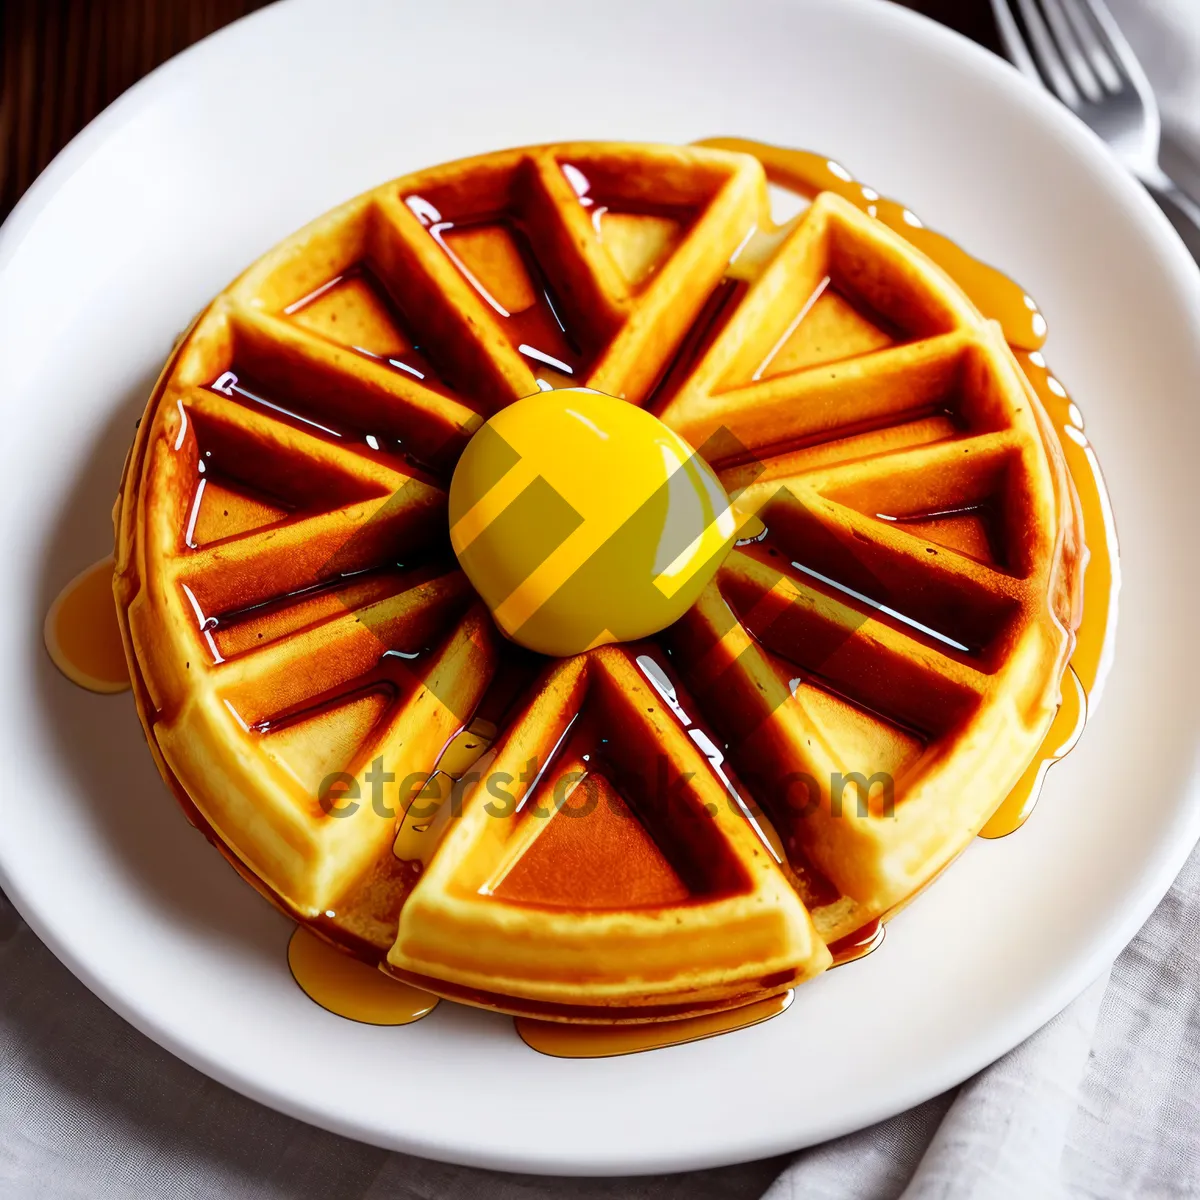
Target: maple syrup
(350,988)
(561,1040)
(858,944)
(355,309)
(82,634)
(494,254)
(1092,654)
(1060,739)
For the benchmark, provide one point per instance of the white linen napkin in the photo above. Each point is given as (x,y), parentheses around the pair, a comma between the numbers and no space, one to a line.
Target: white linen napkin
(1102,1102)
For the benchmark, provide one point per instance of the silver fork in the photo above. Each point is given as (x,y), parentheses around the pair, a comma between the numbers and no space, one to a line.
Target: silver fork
(1074,48)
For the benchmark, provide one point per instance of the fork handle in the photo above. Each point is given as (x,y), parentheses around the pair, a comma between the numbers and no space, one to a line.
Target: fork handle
(1182,211)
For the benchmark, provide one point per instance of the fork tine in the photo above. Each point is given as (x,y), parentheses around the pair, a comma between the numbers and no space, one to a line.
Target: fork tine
(1063,30)
(1106,70)
(1013,40)
(1049,61)
(1116,47)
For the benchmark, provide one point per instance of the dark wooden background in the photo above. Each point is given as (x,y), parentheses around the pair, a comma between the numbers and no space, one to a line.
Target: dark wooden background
(62,61)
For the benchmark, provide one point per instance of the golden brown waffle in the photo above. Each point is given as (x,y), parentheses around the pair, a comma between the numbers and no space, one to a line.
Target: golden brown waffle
(294,615)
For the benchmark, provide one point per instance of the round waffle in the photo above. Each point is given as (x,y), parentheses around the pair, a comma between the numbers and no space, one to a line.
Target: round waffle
(681,824)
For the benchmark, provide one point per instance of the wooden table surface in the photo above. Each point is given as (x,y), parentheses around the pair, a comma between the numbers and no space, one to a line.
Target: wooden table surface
(63,61)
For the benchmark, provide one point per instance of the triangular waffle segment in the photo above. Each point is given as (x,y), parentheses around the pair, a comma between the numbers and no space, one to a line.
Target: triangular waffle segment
(715,915)
(315,836)
(840,290)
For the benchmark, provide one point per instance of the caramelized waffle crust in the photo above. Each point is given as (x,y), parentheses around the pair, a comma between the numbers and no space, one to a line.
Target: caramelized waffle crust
(643,831)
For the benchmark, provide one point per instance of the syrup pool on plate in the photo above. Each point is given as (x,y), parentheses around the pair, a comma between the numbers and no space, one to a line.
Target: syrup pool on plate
(352,989)
(82,632)
(562,1040)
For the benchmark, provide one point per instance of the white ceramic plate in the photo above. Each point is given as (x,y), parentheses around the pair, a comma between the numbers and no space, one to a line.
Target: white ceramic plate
(226,149)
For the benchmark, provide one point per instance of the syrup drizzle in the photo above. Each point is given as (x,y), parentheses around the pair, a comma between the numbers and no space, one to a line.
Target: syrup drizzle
(527,308)
(561,1040)
(82,635)
(1060,740)
(1091,658)
(83,638)
(349,988)
(858,944)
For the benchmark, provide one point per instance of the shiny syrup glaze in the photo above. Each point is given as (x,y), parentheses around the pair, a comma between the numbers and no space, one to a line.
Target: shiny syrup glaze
(1092,655)
(84,641)
(352,989)
(562,1040)
(490,251)
(627,857)
(858,944)
(82,635)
